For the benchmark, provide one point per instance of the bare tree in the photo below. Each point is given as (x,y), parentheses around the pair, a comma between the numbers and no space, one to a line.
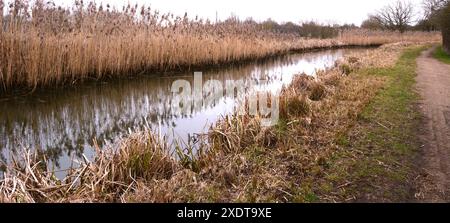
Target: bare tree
(372,23)
(431,7)
(396,16)
(437,13)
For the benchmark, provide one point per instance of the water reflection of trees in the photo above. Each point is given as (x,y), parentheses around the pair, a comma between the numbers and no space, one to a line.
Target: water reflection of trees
(65,122)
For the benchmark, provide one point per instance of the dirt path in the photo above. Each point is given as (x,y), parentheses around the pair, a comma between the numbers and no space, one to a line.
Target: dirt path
(433,84)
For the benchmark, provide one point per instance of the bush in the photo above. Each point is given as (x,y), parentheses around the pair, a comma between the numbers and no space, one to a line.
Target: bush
(346,69)
(294,106)
(318,92)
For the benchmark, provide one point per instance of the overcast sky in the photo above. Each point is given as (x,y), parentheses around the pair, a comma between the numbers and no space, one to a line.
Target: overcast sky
(330,11)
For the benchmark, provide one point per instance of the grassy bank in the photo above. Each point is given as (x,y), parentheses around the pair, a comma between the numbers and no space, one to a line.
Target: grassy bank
(377,164)
(43,45)
(339,138)
(441,55)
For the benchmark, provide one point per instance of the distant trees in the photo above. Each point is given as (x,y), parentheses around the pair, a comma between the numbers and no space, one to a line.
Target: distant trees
(431,18)
(316,30)
(437,17)
(397,16)
(270,24)
(372,23)
(432,7)
(305,29)
(400,16)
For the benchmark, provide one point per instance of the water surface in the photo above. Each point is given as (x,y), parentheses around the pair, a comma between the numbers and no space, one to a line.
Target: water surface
(64,123)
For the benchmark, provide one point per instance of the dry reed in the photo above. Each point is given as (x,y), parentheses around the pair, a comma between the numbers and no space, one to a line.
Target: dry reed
(45,45)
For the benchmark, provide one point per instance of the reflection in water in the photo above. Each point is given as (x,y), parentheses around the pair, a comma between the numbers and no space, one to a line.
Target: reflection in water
(65,122)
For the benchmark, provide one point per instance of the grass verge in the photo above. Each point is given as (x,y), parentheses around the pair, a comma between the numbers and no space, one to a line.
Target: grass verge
(441,55)
(377,164)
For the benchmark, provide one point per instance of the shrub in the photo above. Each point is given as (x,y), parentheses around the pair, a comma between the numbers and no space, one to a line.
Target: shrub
(298,106)
(346,69)
(318,92)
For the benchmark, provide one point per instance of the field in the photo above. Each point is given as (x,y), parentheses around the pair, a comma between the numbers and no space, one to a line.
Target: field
(43,45)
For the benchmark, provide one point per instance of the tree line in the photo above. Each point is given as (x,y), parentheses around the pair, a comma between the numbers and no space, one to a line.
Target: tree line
(400,16)
(309,29)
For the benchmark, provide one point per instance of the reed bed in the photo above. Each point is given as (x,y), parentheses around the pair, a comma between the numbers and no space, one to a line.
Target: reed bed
(242,161)
(45,45)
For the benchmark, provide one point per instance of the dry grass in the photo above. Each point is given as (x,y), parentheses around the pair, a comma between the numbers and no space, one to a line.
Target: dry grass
(378,162)
(242,160)
(114,172)
(44,45)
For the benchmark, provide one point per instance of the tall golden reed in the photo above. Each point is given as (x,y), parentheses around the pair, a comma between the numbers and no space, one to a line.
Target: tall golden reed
(44,45)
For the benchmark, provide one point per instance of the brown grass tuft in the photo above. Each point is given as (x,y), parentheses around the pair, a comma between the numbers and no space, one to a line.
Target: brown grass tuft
(318,92)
